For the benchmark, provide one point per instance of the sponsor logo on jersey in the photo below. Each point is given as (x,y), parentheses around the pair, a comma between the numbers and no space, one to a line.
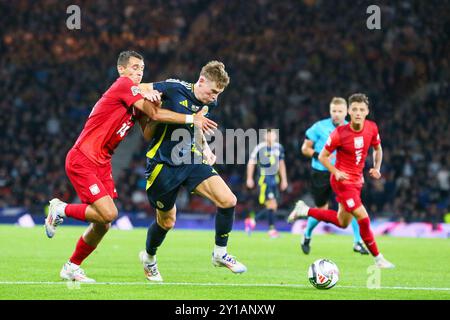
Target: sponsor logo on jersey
(135,90)
(358,154)
(94,189)
(159,204)
(184,103)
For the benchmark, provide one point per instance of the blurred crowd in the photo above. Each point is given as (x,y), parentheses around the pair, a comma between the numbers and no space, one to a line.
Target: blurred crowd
(286,60)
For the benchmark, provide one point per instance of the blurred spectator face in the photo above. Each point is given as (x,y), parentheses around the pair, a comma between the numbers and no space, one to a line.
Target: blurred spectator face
(206,90)
(338,112)
(358,112)
(134,70)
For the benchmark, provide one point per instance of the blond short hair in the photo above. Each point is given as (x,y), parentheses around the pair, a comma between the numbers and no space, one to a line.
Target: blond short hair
(338,100)
(215,71)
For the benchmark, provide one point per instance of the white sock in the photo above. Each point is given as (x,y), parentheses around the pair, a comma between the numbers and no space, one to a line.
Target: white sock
(378,257)
(219,251)
(61,210)
(151,259)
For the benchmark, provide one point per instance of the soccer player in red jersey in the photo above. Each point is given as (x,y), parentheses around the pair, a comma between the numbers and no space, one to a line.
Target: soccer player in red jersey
(88,163)
(352,142)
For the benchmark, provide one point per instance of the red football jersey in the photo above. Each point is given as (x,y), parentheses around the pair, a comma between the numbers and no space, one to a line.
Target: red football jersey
(109,122)
(352,148)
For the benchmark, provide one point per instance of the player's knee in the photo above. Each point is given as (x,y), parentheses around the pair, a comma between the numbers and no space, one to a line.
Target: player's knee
(227,201)
(167,223)
(344,224)
(109,215)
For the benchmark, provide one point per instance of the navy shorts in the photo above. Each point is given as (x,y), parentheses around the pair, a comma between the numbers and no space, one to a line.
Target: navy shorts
(268,192)
(321,187)
(165,181)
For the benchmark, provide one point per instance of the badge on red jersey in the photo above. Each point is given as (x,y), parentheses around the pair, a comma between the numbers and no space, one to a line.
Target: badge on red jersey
(359,142)
(135,90)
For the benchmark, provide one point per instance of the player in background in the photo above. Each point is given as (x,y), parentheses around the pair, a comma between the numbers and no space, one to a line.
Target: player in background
(172,164)
(268,156)
(352,142)
(88,163)
(316,136)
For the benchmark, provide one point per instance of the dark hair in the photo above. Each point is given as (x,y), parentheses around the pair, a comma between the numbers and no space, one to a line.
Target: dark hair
(358,97)
(124,56)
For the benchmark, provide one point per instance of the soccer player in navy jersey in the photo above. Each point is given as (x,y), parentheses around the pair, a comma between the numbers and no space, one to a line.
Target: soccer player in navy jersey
(172,164)
(268,157)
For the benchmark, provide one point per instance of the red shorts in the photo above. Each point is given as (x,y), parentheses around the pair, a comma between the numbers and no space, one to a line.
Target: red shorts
(349,195)
(91,181)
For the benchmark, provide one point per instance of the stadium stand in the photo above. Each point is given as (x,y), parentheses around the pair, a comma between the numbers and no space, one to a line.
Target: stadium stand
(286,60)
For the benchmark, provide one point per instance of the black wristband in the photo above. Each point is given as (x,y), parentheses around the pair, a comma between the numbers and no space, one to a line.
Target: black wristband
(316,155)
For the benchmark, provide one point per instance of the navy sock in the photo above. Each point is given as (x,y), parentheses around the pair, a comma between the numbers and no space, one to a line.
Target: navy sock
(270,218)
(261,213)
(155,236)
(224,224)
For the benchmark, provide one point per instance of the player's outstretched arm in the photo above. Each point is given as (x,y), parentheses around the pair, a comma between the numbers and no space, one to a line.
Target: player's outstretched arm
(377,159)
(156,113)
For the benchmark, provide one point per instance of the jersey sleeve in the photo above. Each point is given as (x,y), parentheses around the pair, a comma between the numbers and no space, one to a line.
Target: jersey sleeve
(312,133)
(375,136)
(164,86)
(333,141)
(128,92)
(169,89)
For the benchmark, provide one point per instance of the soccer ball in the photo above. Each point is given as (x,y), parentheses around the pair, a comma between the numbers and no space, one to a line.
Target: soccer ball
(323,274)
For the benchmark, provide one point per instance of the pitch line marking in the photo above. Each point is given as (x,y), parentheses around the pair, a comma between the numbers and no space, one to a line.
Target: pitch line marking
(212,285)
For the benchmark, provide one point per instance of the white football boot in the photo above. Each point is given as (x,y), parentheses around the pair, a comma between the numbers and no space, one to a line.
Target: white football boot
(55,216)
(382,263)
(72,272)
(229,262)
(150,269)
(300,210)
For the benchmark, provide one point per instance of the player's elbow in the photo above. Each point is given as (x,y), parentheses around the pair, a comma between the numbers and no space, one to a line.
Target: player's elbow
(304,150)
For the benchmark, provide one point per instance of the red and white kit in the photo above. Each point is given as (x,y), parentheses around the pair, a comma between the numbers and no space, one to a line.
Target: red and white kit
(88,163)
(352,148)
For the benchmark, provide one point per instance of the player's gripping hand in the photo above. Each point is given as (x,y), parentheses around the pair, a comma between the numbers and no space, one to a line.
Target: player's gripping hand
(340,175)
(153,96)
(375,173)
(201,122)
(250,183)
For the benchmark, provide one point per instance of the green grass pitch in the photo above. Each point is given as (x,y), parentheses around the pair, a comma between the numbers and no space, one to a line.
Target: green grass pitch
(277,269)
